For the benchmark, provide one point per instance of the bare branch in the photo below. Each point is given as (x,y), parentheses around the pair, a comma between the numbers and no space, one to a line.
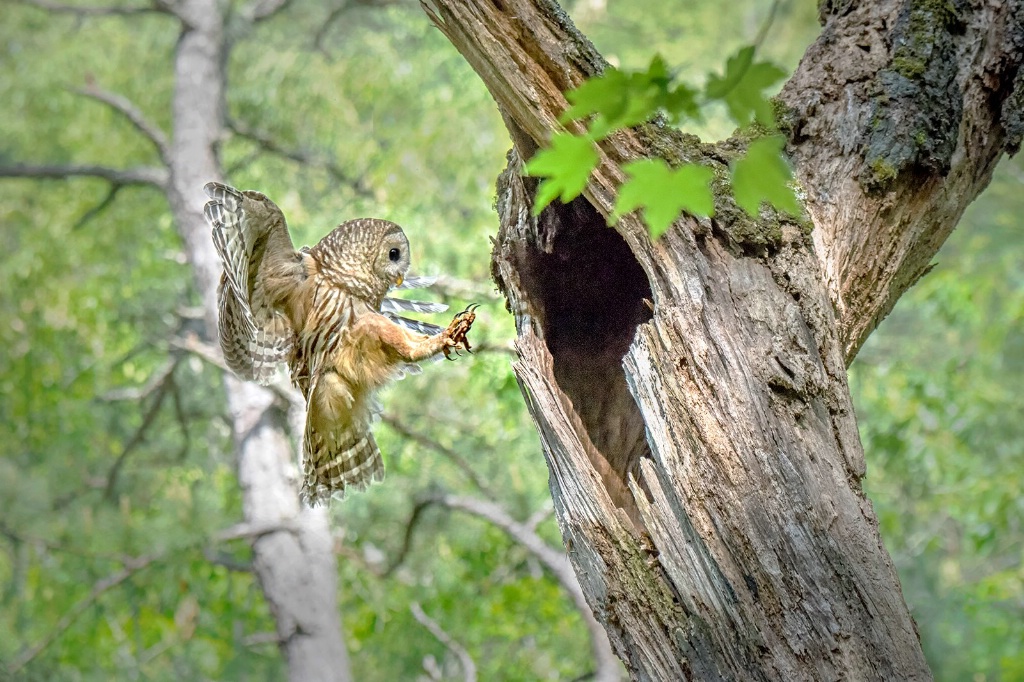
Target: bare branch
(465,660)
(468,290)
(252,531)
(539,516)
(96,11)
(131,567)
(260,10)
(226,560)
(336,13)
(161,391)
(124,106)
(426,441)
(18,536)
(98,208)
(262,638)
(212,355)
(142,175)
(608,666)
(136,393)
(265,142)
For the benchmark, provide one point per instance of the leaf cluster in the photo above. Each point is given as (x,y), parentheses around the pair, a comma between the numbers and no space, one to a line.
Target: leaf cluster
(619,99)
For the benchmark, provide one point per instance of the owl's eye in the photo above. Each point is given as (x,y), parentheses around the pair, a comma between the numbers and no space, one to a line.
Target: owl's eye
(394,255)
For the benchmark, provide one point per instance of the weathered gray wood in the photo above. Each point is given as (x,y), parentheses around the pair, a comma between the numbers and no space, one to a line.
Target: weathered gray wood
(691,393)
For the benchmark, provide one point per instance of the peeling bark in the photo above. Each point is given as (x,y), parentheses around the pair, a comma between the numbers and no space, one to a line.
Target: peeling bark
(691,393)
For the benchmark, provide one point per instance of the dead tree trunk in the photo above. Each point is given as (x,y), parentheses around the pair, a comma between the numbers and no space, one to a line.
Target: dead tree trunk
(691,393)
(292,544)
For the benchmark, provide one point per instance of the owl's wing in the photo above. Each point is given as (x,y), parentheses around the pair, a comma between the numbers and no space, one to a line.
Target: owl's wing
(261,267)
(415,325)
(391,307)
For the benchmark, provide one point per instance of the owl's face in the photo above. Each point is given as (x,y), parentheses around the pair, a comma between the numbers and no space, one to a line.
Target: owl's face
(366,256)
(391,257)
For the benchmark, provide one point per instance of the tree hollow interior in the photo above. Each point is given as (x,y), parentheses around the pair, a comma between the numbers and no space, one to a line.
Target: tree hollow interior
(590,294)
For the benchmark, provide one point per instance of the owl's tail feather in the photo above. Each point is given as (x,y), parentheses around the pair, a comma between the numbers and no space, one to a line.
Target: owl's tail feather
(331,467)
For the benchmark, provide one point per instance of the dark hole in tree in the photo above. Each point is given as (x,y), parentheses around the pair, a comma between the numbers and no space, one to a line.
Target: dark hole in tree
(589,294)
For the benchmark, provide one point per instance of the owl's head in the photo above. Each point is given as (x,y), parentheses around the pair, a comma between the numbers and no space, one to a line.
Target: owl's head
(368,256)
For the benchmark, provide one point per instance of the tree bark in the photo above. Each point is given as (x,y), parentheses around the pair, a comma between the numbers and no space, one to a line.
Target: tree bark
(691,392)
(292,545)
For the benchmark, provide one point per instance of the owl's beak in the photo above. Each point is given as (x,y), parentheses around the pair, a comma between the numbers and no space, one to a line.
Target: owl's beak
(398,282)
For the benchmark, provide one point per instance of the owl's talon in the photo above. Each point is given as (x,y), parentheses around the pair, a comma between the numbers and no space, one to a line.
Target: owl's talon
(457,330)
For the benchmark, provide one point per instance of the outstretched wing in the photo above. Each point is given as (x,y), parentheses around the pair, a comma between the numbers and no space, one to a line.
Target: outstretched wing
(261,270)
(391,307)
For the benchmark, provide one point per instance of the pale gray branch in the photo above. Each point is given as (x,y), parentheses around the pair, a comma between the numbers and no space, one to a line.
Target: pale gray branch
(251,531)
(139,392)
(141,175)
(96,10)
(259,10)
(608,666)
(465,660)
(268,144)
(124,106)
(212,355)
(448,453)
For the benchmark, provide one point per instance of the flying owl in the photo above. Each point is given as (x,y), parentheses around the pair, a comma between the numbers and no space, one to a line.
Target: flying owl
(323,311)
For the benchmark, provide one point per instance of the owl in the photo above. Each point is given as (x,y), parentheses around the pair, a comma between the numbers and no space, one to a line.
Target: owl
(324,312)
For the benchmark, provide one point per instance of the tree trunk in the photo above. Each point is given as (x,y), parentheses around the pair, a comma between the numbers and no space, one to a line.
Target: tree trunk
(292,544)
(691,392)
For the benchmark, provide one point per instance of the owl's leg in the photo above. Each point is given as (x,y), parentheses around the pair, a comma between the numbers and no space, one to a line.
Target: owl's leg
(404,345)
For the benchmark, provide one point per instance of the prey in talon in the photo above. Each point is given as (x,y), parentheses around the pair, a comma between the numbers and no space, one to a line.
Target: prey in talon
(458,329)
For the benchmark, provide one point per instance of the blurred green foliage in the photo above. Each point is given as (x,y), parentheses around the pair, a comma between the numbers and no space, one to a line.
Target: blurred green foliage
(398,126)
(939,399)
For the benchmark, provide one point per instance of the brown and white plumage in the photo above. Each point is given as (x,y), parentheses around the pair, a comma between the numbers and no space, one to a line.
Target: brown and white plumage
(324,312)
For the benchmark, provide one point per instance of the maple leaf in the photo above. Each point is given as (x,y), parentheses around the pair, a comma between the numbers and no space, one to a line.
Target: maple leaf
(664,192)
(742,87)
(565,166)
(764,175)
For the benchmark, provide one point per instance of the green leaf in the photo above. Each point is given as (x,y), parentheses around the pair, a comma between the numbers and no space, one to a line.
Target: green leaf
(742,87)
(607,95)
(764,175)
(681,103)
(565,166)
(620,99)
(663,192)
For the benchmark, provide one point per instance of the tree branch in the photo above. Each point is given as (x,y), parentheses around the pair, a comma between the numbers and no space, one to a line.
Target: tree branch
(95,11)
(426,441)
(98,208)
(141,175)
(268,144)
(131,567)
(124,106)
(161,389)
(136,393)
(555,561)
(260,10)
(465,660)
(336,13)
(212,355)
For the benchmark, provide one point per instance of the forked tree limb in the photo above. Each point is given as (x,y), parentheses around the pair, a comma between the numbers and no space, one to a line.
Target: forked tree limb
(691,393)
